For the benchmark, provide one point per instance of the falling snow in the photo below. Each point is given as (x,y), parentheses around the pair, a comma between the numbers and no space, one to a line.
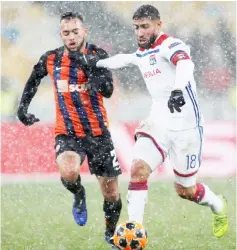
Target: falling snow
(36,208)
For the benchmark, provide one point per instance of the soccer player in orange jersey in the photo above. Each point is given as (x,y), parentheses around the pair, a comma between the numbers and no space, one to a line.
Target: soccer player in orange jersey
(81,120)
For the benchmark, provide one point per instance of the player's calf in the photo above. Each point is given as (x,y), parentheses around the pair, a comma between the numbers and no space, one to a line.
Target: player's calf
(202,195)
(112,209)
(138,190)
(69,166)
(112,203)
(112,212)
(109,188)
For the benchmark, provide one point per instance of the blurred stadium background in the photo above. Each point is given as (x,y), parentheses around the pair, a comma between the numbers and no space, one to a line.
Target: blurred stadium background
(28,29)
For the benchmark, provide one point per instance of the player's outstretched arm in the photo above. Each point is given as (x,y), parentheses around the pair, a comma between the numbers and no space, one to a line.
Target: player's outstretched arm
(98,60)
(99,79)
(117,61)
(31,87)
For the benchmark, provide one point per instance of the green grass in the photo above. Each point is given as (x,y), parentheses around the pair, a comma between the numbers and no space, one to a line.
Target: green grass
(38,217)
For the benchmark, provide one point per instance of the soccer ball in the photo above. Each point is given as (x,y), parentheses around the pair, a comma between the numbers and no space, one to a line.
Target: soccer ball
(130,235)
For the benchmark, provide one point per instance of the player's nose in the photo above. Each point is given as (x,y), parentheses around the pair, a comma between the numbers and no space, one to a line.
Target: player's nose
(140,33)
(71,37)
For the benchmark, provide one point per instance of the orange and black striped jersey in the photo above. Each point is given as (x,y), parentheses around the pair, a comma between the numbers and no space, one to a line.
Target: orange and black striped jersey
(79,112)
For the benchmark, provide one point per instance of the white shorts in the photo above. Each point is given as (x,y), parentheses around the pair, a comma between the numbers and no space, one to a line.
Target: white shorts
(183,148)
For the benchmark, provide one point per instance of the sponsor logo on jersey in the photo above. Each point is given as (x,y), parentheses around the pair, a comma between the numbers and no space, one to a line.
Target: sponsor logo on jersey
(77,87)
(173,45)
(152,59)
(151,73)
(63,86)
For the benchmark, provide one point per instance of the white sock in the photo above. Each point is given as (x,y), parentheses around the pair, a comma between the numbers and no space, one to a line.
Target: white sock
(208,198)
(136,201)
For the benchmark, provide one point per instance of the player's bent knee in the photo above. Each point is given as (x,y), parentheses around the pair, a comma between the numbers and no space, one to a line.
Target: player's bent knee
(185,192)
(68,159)
(69,165)
(140,171)
(69,176)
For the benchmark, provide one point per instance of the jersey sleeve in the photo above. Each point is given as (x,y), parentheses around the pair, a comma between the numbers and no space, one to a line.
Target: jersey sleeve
(40,69)
(31,87)
(175,50)
(117,61)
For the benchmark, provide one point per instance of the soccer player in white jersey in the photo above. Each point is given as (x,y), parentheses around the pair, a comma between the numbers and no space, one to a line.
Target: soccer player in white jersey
(174,127)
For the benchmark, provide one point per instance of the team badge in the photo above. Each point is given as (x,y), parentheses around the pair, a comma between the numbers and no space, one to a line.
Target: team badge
(152,59)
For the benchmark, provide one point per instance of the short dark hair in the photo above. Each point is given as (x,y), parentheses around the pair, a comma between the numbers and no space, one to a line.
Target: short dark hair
(146,11)
(71,15)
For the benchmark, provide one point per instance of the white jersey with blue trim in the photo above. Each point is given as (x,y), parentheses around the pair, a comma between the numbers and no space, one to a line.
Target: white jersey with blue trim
(158,67)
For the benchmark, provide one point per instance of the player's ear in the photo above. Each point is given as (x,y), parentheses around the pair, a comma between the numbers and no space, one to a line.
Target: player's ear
(159,23)
(60,32)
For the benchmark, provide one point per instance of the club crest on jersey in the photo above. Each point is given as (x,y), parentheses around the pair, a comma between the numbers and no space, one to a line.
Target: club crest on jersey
(152,59)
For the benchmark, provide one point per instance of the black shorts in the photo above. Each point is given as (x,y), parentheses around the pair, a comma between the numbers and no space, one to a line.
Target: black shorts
(100,152)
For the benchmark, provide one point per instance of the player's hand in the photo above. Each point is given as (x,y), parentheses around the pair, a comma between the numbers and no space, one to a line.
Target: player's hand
(91,59)
(88,60)
(26,118)
(176,101)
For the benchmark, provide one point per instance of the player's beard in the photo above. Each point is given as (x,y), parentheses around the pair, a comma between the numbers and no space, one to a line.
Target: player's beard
(149,42)
(78,48)
(80,45)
